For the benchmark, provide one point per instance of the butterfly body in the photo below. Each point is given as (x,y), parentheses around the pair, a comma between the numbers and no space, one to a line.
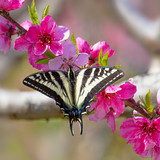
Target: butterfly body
(73,91)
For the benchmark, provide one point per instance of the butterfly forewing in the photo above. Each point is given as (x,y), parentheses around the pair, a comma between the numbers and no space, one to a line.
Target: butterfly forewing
(91,81)
(54,84)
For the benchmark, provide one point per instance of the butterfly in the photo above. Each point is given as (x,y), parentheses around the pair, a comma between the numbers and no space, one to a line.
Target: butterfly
(73,91)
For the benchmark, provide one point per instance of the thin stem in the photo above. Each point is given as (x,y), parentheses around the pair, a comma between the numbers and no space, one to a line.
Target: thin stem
(7,16)
(137,108)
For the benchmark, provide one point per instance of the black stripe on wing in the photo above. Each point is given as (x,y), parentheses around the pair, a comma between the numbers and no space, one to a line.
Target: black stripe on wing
(95,79)
(50,83)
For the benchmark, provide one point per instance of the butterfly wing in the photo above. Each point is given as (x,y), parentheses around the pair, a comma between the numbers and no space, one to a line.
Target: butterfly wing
(91,81)
(54,84)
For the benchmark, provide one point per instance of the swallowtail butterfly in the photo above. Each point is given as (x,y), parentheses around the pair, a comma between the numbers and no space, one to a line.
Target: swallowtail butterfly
(73,91)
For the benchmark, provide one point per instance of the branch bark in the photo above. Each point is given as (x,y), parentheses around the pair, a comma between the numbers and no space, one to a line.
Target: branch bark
(27,105)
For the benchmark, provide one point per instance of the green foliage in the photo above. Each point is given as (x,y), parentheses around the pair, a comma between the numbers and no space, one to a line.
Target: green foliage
(100,58)
(103,60)
(73,39)
(49,54)
(147,103)
(45,11)
(33,13)
(118,66)
(42,61)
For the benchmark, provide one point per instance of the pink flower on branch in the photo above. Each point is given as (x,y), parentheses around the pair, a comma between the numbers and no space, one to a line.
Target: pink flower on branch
(7,29)
(11,4)
(68,57)
(47,35)
(109,104)
(40,38)
(93,51)
(22,44)
(144,134)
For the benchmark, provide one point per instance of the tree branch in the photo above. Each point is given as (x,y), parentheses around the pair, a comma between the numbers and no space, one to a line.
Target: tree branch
(27,105)
(34,105)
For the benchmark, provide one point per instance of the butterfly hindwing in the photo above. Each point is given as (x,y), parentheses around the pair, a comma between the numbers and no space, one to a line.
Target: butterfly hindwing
(91,81)
(54,84)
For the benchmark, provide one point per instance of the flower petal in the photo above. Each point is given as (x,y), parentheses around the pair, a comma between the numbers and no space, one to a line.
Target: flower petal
(61,33)
(81,59)
(34,58)
(99,112)
(21,44)
(56,48)
(111,121)
(11,4)
(112,89)
(117,104)
(128,129)
(47,25)
(83,45)
(33,33)
(69,50)
(39,49)
(101,45)
(5,44)
(26,24)
(139,145)
(55,64)
(156,155)
(127,91)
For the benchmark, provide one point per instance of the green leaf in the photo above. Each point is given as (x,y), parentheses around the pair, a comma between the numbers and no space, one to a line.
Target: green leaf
(147,103)
(100,58)
(42,61)
(104,60)
(73,40)
(148,98)
(118,66)
(49,54)
(91,112)
(45,11)
(33,13)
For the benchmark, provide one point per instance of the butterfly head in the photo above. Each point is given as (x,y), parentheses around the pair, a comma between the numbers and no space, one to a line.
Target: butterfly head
(75,115)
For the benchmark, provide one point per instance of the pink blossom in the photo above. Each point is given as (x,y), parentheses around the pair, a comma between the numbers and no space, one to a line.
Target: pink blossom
(11,4)
(22,44)
(47,35)
(68,57)
(93,51)
(109,104)
(144,135)
(40,38)
(6,31)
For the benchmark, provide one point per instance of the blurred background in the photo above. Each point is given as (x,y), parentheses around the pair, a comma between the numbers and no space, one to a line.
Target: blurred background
(131,28)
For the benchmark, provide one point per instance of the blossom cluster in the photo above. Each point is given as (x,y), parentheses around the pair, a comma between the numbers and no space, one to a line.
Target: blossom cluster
(49,48)
(143,133)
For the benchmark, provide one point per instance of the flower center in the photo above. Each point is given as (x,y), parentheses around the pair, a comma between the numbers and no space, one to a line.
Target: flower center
(45,38)
(149,129)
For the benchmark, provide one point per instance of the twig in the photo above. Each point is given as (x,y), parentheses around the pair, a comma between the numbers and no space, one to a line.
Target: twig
(7,16)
